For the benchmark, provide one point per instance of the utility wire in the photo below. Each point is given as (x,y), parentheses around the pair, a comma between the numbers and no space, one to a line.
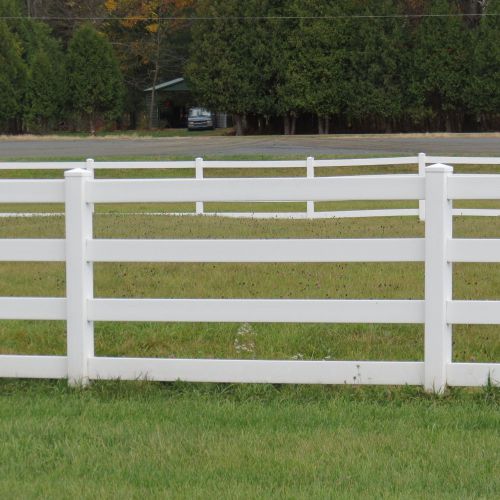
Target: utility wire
(235,18)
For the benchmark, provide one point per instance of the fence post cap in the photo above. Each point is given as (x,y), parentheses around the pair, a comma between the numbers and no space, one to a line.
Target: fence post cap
(438,168)
(77,172)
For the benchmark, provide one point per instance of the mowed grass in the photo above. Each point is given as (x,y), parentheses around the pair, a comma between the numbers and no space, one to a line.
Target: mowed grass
(144,439)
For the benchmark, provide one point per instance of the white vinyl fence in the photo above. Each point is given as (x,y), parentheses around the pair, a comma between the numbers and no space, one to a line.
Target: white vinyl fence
(310,164)
(438,311)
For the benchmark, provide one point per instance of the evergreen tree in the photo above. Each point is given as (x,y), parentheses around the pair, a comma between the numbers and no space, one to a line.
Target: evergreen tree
(46,85)
(373,72)
(312,76)
(45,97)
(440,66)
(94,80)
(10,8)
(483,93)
(12,80)
(223,70)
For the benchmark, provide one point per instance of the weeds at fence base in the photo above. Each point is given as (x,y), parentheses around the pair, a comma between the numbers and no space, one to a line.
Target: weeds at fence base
(144,389)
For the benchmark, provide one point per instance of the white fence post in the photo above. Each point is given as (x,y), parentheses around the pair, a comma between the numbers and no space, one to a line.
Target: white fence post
(421,171)
(89,165)
(438,277)
(79,276)
(199,175)
(310,175)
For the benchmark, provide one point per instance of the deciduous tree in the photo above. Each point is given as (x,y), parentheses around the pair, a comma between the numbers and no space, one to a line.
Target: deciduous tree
(145,37)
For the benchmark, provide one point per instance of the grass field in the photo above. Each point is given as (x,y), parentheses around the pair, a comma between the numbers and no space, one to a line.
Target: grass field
(137,439)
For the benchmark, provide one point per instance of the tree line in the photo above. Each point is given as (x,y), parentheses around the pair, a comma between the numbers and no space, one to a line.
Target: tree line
(276,65)
(349,64)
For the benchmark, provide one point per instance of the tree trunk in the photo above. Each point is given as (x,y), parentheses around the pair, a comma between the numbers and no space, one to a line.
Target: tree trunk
(91,124)
(323,124)
(289,122)
(448,125)
(260,126)
(286,124)
(155,77)
(238,124)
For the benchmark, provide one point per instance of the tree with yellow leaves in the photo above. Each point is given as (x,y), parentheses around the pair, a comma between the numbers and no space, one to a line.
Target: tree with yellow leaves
(149,26)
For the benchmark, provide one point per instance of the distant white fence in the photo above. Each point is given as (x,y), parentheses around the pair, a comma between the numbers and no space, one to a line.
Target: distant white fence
(438,311)
(310,164)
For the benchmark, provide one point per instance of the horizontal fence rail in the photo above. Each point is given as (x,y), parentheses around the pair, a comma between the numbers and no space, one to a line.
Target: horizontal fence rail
(32,191)
(376,187)
(437,311)
(235,164)
(257,310)
(32,250)
(310,250)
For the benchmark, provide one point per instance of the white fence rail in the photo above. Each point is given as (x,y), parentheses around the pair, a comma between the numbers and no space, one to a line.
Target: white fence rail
(438,311)
(310,165)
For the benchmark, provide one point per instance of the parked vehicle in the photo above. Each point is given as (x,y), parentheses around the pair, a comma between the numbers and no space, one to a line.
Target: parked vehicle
(200,119)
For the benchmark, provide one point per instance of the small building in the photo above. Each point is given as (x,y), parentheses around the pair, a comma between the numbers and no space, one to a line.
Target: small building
(172,102)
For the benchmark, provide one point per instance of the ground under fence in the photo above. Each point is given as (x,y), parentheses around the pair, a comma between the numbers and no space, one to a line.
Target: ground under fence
(310,164)
(79,250)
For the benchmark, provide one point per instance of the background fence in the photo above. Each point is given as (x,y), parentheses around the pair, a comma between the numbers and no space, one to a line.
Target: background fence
(310,165)
(438,311)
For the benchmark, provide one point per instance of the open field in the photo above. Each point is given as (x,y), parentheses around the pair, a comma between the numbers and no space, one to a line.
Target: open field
(141,439)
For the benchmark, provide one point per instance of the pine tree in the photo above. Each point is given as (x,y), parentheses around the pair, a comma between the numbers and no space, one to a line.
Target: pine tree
(45,97)
(95,84)
(483,92)
(312,69)
(46,84)
(223,70)
(373,72)
(440,66)
(12,80)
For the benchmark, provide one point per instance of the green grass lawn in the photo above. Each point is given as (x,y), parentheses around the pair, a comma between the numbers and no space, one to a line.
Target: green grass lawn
(144,439)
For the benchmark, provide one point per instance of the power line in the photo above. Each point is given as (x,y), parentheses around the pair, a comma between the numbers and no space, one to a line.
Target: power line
(240,18)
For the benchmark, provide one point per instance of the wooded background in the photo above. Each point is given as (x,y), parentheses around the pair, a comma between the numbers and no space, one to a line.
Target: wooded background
(277,66)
